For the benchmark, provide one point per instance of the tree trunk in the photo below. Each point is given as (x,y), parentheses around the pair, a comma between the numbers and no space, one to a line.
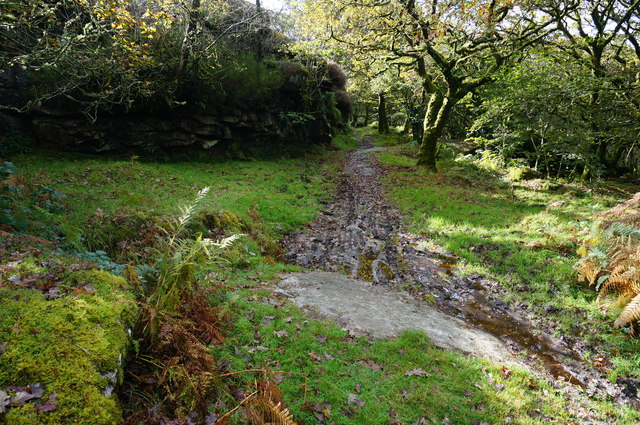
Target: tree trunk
(436,116)
(259,34)
(366,115)
(187,42)
(407,124)
(383,123)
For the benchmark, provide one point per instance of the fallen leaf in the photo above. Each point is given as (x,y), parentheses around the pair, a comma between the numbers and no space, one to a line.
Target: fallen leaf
(315,357)
(267,320)
(281,333)
(505,372)
(3,347)
(288,319)
(500,387)
(5,400)
(211,419)
(24,394)
(257,348)
(372,364)
(50,405)
(352,399)
(468,393)
(321,339)
(358,388)
(54,293)
(416,372)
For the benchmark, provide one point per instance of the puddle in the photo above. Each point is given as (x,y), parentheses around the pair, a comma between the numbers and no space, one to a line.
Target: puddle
(504,325)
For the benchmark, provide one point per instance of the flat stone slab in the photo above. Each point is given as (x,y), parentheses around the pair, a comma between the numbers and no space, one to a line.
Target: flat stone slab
(359,305)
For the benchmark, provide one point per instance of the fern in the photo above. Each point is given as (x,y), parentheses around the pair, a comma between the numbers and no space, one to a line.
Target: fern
(265,407)
(264,411)
(630,314)
(611,263)
(186,213)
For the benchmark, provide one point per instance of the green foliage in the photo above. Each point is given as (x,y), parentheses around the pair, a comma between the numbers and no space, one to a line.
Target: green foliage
(345,141)
(35,208)
(14,142)
(541,111)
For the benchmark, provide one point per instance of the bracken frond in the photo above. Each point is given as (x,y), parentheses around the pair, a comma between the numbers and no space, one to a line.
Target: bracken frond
(630,313)
(588,272)
(263,411)
(265,406)
(623,281)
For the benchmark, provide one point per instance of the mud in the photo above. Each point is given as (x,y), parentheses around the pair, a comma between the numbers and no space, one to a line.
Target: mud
(360,234)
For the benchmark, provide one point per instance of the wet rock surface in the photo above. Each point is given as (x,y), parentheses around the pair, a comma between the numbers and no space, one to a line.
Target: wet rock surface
(360,234)
(362,306)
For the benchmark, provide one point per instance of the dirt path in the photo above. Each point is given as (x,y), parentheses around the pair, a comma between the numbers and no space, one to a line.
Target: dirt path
(360,233)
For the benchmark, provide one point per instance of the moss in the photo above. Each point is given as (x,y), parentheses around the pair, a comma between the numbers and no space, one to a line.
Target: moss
(388,273)
(65,345)
(221,221)
(365,270)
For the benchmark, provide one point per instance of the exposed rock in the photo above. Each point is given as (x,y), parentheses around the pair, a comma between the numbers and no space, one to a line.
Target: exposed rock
(356,304)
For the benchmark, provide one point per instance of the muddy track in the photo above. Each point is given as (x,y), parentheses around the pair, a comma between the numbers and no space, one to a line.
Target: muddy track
(361,234)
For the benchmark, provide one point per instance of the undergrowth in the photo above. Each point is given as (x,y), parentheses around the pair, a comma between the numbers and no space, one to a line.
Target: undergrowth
(524,235)
(611,260)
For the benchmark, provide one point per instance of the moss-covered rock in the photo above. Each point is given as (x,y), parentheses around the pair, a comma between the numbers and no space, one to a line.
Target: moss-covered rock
(72,345)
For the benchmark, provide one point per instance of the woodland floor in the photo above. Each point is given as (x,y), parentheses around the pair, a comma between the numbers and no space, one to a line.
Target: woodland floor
(396,283)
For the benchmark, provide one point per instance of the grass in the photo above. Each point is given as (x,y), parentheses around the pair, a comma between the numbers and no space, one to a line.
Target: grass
(286,193)
(394,138)
(328,375)
(524,235)
(512,233)
(345,141)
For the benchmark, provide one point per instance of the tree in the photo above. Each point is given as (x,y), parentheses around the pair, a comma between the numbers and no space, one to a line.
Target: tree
(453,46)
(595,33)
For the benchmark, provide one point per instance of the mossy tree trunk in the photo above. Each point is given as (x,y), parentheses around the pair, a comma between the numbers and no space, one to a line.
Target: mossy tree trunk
(436,117)
(383,122)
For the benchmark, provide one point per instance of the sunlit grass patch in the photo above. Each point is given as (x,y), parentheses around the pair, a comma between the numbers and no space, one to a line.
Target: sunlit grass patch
(286,193)
(524,235)
(330,375)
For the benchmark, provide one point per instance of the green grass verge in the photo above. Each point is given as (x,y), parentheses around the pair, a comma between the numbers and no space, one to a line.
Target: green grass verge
(329,376)
(394,138)
(523,234)
(286,193)
(345,141)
